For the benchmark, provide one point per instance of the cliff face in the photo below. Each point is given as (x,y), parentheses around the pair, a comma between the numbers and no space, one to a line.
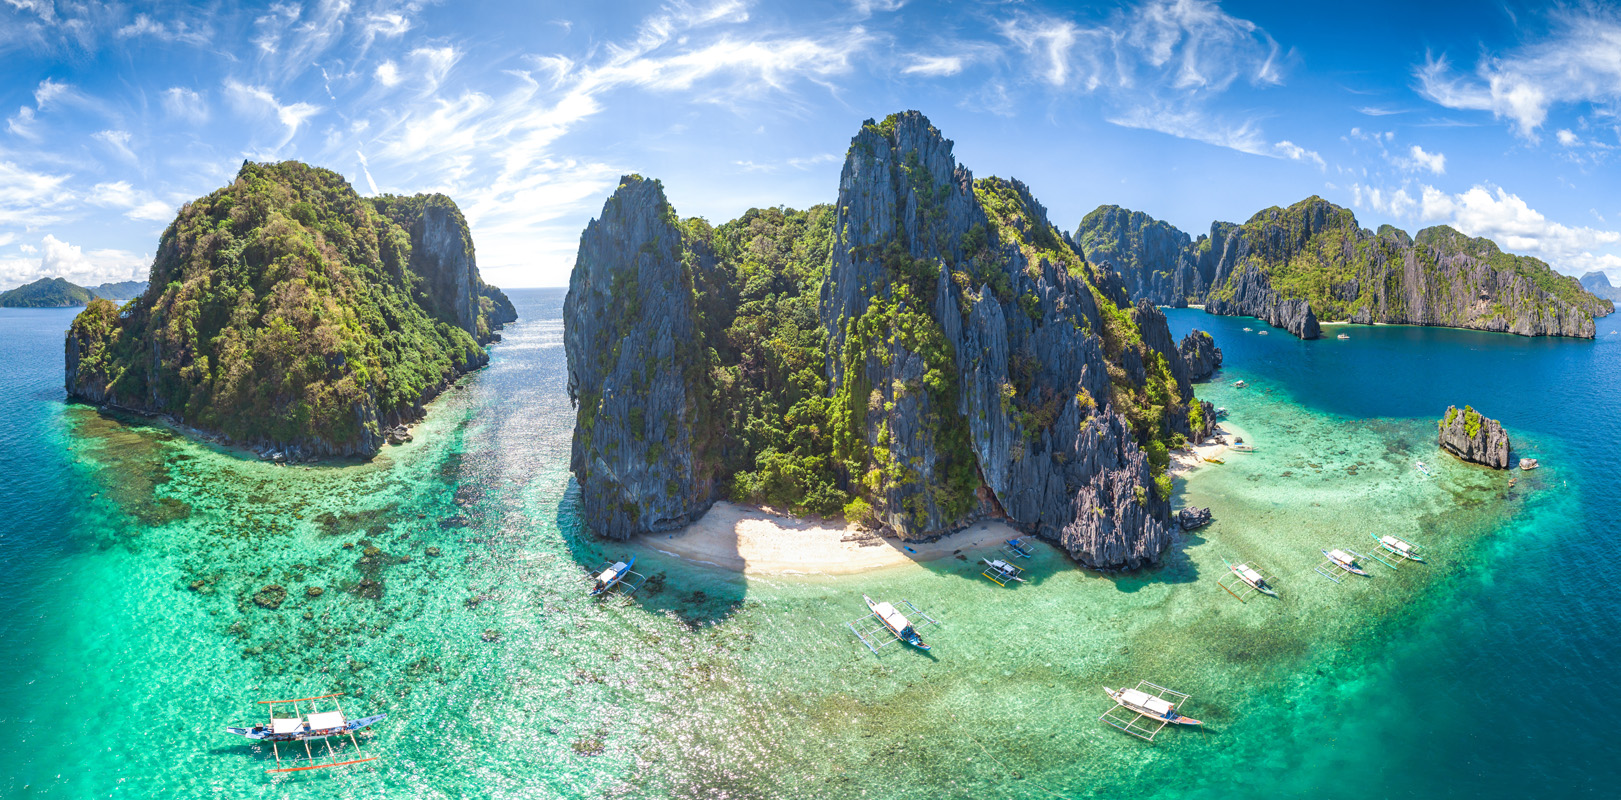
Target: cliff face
(1311,261)
(294,314)
(635,369)
(1200,354)
(967,361)
(1472,437)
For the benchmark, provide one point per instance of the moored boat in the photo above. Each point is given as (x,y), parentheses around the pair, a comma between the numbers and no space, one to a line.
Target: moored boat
(317,725)
(1250,576)
(1001,571)
(1241,447)
(1018,547)
(1342,336)
(896,622)
(1398,546)
(1239,384)
(1214,460)
(1149,706)
(611,576)
(1344,561)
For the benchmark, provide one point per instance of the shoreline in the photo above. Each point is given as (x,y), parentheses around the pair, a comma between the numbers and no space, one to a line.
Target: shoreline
(754,541)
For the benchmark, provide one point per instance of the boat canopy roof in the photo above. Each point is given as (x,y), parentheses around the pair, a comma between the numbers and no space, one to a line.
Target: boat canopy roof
(891,617)
(290,725)
(1394,542)
(1249,574)
(609,573)
(323,720)
(1145,700)
(1340,555)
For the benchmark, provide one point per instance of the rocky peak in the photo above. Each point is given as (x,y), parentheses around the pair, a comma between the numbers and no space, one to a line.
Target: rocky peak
(1200,353)
(634,364)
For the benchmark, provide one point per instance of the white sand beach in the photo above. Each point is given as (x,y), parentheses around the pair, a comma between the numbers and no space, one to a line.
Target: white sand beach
(1193,457)
(759,542)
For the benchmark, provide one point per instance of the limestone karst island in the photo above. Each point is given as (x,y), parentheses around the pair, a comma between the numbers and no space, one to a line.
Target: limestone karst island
(851,400)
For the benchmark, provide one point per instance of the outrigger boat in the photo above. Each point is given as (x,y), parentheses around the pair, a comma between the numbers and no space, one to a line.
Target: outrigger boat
(1001,572)
(1345,561)
(1342,336)
(896,622)
(1425,469)
(1239,384)
(1017,547)
(1241,447)
(1398,546)
(1149,706)
(1263,333)
(613,576)
(886,623)
(314,726)
(1145,711)
(1214,460)
(1250,576)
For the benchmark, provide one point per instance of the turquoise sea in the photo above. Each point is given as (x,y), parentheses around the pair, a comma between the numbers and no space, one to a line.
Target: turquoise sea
(131,559)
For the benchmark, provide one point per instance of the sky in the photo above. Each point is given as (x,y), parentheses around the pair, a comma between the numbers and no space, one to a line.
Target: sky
(1500,119)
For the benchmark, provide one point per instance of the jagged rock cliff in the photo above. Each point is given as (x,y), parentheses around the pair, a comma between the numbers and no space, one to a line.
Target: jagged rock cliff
(286,311)
(1311,261)
(1200,353)
(974,363)
(1472,437)
(635,369)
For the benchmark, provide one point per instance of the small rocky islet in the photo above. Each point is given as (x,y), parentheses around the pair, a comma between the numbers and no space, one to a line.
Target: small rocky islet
(1473,437)
(288,313)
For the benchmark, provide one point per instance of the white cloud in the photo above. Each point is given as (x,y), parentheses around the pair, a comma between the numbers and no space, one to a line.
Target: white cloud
(934,66)
(433,64)
(1417,159)
(1157,66)
(1294,152)
(1575,64)
(255,100)
(30,199)
(1397,203)
(1375,111)
(49,91)
(118,141)
(59,259)
(178,31)
(185,104)
(864,8)
(137,204)
(1567,138)
(388,73)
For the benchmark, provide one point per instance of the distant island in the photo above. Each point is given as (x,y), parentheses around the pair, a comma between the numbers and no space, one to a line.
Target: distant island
(289,312)
(927,352)
(59,293)
(1598,283)
(1310,263)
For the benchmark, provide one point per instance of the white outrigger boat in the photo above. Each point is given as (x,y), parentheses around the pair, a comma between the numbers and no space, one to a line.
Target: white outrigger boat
(1241,447)
(1249,576)
(1239,384)
(1145,711)
(886,617)
(1399,547)
(618,575)
(308,727)
(1000,572)
(1424,469)
(1337,564)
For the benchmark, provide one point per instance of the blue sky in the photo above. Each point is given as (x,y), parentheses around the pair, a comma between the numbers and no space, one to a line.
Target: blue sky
(1503,120)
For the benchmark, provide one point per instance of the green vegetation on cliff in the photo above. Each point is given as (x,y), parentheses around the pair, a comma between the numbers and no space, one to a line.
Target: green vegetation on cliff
(286,308)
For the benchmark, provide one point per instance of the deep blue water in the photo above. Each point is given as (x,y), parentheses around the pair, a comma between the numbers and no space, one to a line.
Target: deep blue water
(1507,682)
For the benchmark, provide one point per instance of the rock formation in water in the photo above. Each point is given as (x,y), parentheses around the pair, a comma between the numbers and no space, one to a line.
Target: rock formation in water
(1293,266)
(1200,354)
(47,293)
(289,312)
(1472,437)
(928,351)
(636,369)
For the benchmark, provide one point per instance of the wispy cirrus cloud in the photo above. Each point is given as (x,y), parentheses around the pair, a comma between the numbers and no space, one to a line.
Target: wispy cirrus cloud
(1575,64)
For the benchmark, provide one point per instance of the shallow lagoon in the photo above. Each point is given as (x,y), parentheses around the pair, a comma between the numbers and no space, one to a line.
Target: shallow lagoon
(134,557)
